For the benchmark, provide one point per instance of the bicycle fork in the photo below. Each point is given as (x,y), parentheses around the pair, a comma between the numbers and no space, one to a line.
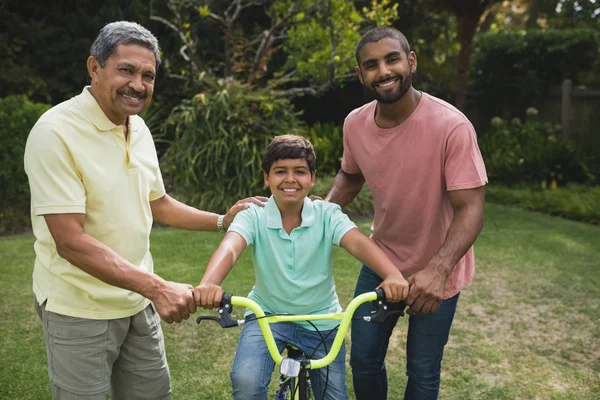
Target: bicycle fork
(294,377)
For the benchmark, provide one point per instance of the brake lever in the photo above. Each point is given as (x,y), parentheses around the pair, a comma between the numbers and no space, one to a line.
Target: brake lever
(225,319)
(383,309)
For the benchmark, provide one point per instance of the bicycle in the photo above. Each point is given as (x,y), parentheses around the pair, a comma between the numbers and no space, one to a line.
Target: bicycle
(294,376)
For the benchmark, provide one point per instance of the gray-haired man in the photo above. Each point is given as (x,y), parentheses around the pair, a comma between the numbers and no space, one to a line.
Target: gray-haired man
(96,188)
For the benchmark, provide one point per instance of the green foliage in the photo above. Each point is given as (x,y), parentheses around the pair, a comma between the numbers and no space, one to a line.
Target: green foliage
(17,117)
(44,48)
(327,139)
(436,46)
(220,136)
(294,47)
(323,46)
(533,152)
(575,202)
(572,13)
(513,70)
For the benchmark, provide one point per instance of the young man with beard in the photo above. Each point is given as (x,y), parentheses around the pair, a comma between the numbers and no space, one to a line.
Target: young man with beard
(420,159)
(96,189)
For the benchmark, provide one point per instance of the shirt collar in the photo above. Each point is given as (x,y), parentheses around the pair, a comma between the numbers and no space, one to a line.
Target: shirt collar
(94,113)
(274,215)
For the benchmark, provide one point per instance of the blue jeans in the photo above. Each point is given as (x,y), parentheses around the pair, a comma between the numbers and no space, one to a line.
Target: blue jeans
(253,365)
(427,336)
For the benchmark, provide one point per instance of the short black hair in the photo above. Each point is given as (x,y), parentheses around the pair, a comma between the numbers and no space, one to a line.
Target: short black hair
(382,32)
(286,147)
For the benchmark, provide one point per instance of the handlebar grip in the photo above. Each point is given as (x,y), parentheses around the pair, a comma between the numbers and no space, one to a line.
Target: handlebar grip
(380,294)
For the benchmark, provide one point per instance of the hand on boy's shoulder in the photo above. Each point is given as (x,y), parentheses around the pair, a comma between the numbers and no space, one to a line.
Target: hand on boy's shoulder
(314,197)
(242,205)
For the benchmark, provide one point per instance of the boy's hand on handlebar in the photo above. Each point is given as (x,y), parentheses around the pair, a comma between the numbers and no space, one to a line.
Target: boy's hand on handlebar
(208,295)
(395,288)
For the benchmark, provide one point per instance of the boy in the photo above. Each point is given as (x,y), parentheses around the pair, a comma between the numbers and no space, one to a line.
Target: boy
(292,240)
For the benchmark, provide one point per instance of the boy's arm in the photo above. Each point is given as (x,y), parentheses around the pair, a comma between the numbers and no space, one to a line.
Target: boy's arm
(361,247)
(208,293)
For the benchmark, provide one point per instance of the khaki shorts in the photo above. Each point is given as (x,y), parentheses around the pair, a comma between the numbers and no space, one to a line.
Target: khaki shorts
(90,359)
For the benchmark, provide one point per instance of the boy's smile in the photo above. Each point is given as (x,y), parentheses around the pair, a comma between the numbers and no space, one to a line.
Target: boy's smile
(290,181)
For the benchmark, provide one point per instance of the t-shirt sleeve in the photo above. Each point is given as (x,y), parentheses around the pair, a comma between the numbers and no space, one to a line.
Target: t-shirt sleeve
(463,165)
(339,224)
(158,187)
(243,224)
(349,164)
(54,181)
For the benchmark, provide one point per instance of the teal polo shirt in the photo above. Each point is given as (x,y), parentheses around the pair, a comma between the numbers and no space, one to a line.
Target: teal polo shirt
(294,273)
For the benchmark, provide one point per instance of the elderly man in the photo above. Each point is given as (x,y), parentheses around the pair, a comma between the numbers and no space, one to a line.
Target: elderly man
(96,188)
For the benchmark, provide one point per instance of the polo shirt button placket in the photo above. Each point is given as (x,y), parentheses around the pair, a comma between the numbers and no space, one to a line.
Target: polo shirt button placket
(291,257)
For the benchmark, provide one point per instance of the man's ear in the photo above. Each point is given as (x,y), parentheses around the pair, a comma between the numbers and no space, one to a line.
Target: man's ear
(93,67)
(358,74)
(412,61)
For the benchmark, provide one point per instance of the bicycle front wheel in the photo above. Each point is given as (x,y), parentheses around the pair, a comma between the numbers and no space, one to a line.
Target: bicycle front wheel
(290,390)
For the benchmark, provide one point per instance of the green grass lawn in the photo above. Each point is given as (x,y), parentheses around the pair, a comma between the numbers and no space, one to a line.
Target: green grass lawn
(526,328)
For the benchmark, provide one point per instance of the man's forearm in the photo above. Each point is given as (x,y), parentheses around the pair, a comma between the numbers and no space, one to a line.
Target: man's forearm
(464,229)
(171,212)
(95,258)
(344,188)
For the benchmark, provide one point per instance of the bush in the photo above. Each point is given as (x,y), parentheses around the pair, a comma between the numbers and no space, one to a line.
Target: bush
(220,137)
(532,152)
(512,70)
(575,202)
(17,117)
(328,143)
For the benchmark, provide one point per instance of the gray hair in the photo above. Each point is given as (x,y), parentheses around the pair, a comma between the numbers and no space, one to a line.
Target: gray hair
(382,32)
(123,32)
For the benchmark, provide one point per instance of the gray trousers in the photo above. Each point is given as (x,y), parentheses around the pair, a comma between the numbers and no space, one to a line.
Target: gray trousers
(92,359)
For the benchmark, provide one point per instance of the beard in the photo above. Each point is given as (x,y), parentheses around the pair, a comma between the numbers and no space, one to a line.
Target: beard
(389,98)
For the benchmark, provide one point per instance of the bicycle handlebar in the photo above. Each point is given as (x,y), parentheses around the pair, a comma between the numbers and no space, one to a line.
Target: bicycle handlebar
(383,309)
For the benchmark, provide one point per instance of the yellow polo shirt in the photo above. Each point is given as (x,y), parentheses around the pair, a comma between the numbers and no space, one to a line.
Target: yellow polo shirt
(78,161)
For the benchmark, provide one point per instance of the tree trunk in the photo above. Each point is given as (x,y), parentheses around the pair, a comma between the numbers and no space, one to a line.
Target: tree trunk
(467,26)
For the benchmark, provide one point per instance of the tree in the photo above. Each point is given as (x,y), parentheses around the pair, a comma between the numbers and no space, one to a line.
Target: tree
(43,49)
(293,47)
(431,33)
(468,14)
(553,14)
(244,60)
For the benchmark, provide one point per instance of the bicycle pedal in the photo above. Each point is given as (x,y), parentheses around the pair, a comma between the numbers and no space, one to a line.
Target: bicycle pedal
(290,367)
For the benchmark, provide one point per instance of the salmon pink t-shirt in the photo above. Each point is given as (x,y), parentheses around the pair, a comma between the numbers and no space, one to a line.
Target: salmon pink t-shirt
(409,170)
